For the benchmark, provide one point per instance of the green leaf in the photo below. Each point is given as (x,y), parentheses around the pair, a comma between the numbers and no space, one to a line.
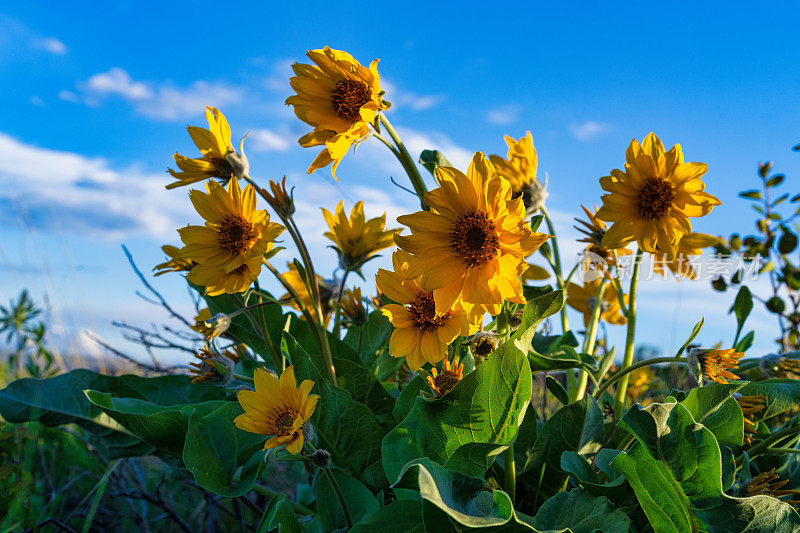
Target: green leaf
(557,390)
(714,407)
(741,307)
(372,336)
(463,499)
(60,400)
(781,395)
(675,469)
(279,517)
(787,243)
(752,194)
(695,332)
(478,419)
(746,342)
(344,427)
(408,396)
(608,482)
(221,457)
(404,516)
(576,427)
(581,513)
(430,159)
(775,180)
(162,426)
(359,500)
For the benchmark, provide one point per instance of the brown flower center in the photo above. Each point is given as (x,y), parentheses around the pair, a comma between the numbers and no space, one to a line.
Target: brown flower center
(222,169)
(347,98)
(445,382)
(235,234)
(484,347)
(284,422)
(423,312)
(655,198)
(474,239)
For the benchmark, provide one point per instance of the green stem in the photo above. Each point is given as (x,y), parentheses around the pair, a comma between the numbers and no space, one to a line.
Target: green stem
(510,473)
(280,360)
(782,450)
(340,496)
(244,378)
(337,319)
(319,332)
(766,443)
(408,163)
(269,493)
(572,382)
(589,340)
(625,371)
(627,360)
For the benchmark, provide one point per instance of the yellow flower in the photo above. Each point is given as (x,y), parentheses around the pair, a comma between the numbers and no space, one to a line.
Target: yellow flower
(652,200)
(356,239)
(520,167)
(219,159)
(213,368)
(176,263)
(582,298)
(595,255)
(422,328)
(473,241)
(233,240)
(340,98)
(535,273)
(218,281)
(277,409)
(750,405)
(689,245)
(641,381)
(449,378)
(326,293)
(714,364)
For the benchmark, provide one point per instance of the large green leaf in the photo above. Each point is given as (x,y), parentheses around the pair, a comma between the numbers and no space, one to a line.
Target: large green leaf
(359,500)
(606,481)
(404,516)
(675,469)
(344,427)
(714,407)
(576,427)
(408,396)
(223,458)
(468,427)
(60,400)
(162,426)
(581,513)
(781,395)
(279,517)
(366,340)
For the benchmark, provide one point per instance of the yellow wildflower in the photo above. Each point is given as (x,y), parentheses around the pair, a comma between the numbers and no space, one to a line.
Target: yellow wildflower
(356,239)
(176,262)
(443,382)
(582,298)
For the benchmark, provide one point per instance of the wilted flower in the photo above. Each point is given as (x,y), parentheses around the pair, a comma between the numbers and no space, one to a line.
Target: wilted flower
(595,255)
(353,307)
(214,368)
(176,263)
(770,484)
(750,405)
(482,344)
(652,200)
(281,200)
(713,364)
(219,159)
(340,98)
(356,239)
(443,382)
(779,366)
(473,242)
(278,409)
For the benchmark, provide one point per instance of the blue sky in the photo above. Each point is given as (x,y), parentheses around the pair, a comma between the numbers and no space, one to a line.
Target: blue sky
(96,97)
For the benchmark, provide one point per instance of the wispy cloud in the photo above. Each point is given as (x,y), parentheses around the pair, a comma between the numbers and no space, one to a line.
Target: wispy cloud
(58,190)
(52,45)
(164,101)
(402,99)
(503,116)
(589,130)
(267,140)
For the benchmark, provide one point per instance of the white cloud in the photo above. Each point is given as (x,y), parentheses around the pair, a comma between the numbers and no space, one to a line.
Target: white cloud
(163,101)
(589,130)
(52,45)
(416,141)
(266,140)
(54,189)
(404,99)
(503,116)
(38,102)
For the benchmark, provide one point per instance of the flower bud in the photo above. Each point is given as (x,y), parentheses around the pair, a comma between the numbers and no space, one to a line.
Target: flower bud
(321,458)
